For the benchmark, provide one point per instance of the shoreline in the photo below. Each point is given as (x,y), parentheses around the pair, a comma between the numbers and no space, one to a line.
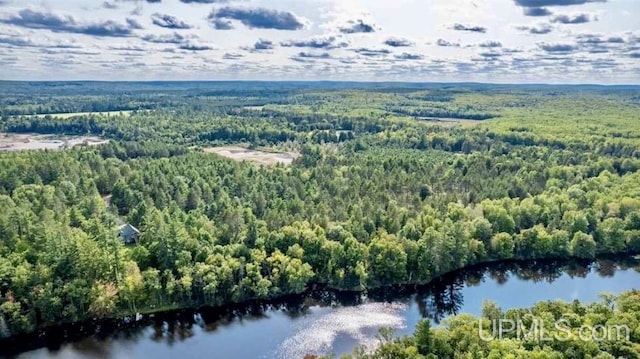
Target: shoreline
(54,336)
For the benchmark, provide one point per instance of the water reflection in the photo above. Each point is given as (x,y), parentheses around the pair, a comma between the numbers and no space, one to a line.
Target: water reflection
(317,321)
(443,297)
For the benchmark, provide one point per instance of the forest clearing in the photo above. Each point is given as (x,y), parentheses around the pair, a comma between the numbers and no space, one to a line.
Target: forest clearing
(252,155)
(20,142)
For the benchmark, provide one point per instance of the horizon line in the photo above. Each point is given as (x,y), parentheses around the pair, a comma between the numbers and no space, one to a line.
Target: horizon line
(333,81)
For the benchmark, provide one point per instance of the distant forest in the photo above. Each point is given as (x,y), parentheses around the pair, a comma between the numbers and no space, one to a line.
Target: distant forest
(392,184)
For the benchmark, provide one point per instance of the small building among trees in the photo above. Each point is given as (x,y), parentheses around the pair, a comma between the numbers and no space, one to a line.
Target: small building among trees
(129,234)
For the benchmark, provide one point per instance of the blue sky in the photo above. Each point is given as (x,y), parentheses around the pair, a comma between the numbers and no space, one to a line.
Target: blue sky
(551,41)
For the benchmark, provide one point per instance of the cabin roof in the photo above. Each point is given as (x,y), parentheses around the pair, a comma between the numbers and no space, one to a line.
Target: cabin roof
(128,232)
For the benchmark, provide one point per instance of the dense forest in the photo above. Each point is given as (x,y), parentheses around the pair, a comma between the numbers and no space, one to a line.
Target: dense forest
(379,194)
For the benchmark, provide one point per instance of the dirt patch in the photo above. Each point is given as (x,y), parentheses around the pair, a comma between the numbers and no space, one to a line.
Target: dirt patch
(23,142)
(253,108)
(255,156)
(448,122)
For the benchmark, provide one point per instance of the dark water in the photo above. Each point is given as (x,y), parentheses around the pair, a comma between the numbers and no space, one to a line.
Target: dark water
(325,322)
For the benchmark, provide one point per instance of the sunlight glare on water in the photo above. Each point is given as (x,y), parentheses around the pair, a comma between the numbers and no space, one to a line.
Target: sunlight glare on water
(318,335)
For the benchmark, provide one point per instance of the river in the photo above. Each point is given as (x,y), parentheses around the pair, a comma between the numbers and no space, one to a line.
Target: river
(328,322)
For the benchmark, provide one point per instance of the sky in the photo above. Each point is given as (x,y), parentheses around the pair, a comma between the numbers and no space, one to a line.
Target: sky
(498,41)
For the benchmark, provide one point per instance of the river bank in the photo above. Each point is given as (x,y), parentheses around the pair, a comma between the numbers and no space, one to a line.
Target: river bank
(442,294)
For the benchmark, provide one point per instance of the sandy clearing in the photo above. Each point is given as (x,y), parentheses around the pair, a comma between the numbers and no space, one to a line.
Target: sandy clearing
(255,156)
(24,142)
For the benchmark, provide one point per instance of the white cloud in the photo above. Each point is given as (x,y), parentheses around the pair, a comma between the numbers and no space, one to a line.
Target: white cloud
(349,25)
